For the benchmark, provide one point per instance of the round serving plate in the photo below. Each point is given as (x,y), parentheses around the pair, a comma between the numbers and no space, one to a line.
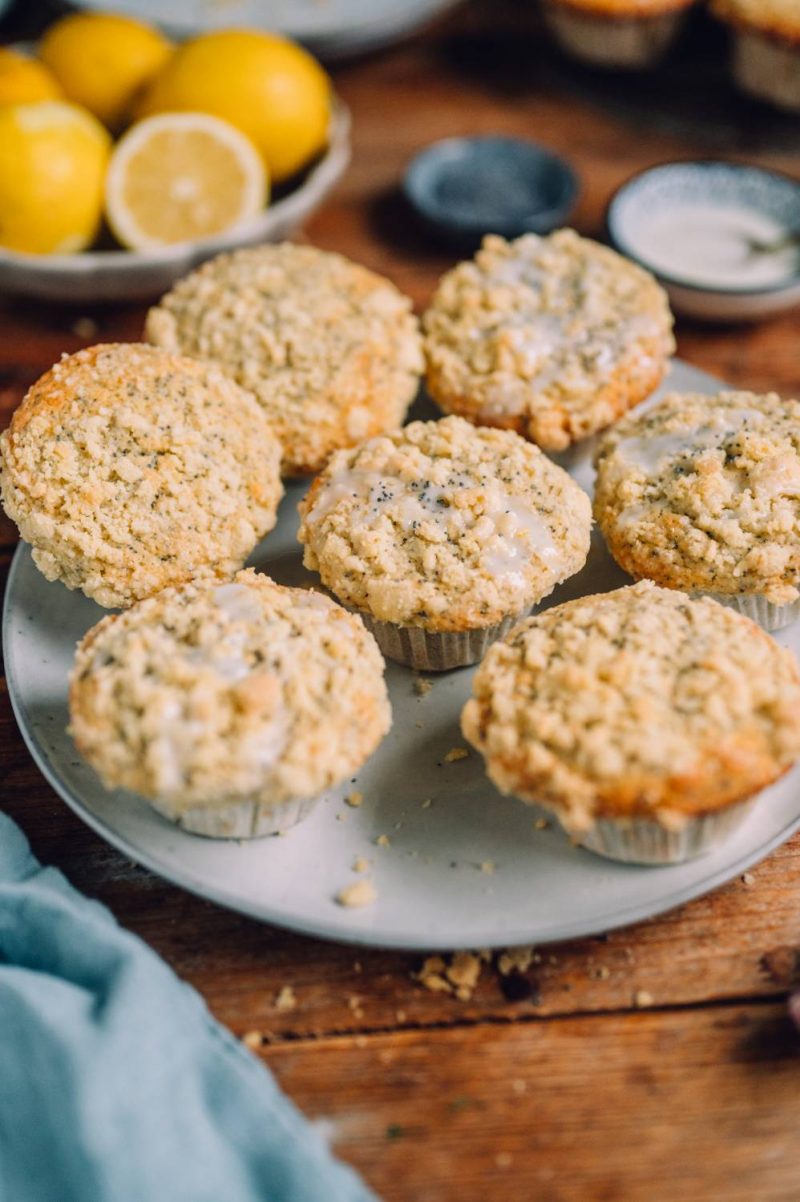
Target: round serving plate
(127,275)
(333,29)
(464,868)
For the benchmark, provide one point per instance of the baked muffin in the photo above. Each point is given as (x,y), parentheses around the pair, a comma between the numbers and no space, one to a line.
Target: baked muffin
(331,350)
(551,337)
(766,47)
(442,536)
(647,722)
(229,706)
(703,494)
(128,469)
(616,33)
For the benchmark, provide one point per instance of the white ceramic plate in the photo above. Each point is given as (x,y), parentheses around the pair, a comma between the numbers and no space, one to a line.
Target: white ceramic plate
(432,892)
(331,28)
(126,275)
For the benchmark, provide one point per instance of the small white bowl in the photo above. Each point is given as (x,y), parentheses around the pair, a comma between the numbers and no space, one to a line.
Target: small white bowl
(689,223)
(126,275)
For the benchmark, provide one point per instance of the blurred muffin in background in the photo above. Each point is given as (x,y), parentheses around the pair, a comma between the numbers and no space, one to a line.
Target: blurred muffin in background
(766,47)
(616,33)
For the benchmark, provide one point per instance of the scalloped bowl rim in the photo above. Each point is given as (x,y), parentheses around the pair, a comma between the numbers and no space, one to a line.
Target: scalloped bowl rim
(322,176)
(616,228)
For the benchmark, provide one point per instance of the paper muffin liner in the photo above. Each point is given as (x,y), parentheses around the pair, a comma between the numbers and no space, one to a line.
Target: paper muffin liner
(429,651)
(646,841)
(242,819)
(768,615)
(612,41)
(768,68)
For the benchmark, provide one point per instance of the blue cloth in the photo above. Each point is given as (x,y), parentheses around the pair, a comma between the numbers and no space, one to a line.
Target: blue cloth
(116,1085)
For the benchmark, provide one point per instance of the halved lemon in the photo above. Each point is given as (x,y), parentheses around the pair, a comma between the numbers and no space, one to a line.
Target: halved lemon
(178,177)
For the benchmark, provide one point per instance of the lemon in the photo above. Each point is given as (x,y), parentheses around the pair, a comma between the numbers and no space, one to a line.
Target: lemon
(22,79)
(53,159)
(103,61)
(181,176)
(266,86)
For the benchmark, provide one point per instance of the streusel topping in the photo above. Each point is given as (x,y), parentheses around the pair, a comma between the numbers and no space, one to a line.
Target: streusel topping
(703,492)
(211,694)
(444,526)
(553,337)
(129,469)
(638,701)
(331,350)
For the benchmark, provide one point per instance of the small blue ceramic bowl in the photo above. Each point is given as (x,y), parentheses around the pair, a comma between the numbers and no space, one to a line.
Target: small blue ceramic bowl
(464,188)
(723,238)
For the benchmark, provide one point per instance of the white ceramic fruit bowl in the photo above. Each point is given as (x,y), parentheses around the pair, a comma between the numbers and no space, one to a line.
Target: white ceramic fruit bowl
(123,275)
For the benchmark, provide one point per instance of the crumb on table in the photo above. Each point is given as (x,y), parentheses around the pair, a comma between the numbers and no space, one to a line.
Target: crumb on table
(514,959)
(285,999)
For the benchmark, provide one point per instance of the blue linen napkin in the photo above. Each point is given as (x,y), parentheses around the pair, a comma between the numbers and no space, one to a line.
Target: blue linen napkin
(116,1085)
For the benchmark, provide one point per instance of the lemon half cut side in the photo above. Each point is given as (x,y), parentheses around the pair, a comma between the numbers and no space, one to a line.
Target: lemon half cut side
(180,177)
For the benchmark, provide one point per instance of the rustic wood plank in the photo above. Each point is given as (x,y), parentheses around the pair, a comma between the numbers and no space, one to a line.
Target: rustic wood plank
(741,941)
(553,1085)
(641,1108)
(486,70)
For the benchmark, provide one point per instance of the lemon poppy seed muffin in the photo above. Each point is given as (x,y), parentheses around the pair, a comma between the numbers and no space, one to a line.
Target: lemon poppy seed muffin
(551,337)
(616,33)
(702,494)
(229,706)
(646,721)
(128,469)
(330,349)
(443,535)
(766,47)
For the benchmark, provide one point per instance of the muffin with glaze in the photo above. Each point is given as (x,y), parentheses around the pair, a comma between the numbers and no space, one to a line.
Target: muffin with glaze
(766,47)
(128,469)
(442,536)
(616,33)
(330,349)
(552,337)
(702,494)
(229,706)
(646,721)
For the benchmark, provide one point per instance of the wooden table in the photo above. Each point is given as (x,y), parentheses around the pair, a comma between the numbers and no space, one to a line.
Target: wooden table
(657,1063)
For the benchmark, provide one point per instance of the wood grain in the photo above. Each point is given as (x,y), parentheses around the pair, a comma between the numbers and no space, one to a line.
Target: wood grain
(695,1105)
(695,1098)
(733,944)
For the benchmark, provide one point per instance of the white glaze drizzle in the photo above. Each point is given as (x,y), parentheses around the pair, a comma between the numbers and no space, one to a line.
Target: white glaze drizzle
(647,452)
(511,531)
